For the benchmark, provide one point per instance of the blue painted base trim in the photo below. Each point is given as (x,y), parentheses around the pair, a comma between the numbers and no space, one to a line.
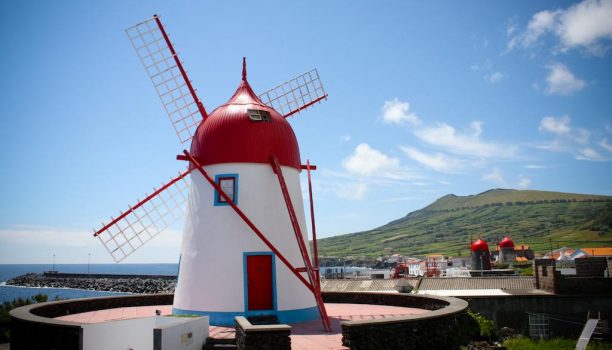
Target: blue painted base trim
(227,318)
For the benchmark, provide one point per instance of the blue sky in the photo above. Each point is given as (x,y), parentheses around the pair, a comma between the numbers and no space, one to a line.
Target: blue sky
(425,99)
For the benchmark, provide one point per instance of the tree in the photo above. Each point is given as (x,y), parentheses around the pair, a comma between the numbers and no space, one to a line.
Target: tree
(5,318)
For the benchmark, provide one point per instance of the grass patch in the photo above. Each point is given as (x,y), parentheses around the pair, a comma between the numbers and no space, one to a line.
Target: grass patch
(551,344)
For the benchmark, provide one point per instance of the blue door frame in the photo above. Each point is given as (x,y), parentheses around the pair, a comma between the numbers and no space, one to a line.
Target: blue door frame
(246,286)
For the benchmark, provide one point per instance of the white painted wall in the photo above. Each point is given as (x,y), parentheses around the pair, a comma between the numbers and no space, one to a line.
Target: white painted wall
(415,270)
(184,333)
(211,276)
(134,334)
(137,334)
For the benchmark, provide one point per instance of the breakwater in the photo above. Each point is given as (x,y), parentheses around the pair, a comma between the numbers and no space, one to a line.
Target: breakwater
(141,284)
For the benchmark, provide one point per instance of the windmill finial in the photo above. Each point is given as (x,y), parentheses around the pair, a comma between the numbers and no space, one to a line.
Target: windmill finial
(244,68)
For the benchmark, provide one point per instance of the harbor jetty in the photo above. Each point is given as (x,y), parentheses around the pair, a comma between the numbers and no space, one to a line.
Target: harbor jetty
(140,284)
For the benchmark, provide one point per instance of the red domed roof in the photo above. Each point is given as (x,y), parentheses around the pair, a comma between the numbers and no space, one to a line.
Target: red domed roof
(229,135)
(480,244)
(506,243)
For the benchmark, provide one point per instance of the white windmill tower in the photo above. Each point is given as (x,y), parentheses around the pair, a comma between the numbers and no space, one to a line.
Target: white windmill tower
(244,249)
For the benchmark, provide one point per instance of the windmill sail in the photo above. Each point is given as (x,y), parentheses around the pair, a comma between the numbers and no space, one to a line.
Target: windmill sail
(132,229)
(296,94)
(168,76)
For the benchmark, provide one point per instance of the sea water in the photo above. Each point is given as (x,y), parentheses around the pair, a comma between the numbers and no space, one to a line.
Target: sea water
(8,293)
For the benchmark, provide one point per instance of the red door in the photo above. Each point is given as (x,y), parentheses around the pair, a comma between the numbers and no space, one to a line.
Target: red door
(259,282)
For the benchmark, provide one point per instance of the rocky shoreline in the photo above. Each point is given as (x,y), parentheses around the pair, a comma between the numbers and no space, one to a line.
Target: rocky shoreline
(110,283)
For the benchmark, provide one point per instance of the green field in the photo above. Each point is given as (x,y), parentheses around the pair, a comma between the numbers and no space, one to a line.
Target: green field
(535,218)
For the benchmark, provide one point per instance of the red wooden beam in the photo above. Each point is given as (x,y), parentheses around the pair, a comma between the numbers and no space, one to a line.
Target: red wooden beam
(305,106)
(300,240)
(312,224)
(247,221)
(182,175)
(180,67)
(308,166)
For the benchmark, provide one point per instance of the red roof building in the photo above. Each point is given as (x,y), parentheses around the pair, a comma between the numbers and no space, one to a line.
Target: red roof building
(479,245)
(506,243)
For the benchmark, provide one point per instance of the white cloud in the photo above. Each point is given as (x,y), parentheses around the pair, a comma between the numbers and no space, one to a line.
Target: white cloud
(437,161)
(581,135)
(345,138)
(558,126)
(366,170)
(37,244)
(605,145)
(511,28)
(367,161)
(451,140)
(524,182)
(536,166)
(44,235)
(398,112)
(495,77)
(495,176)
(585,25)
(476,125)
(590,155)
(490,75)
(541,23)
(561,81)
(566,134)
(353,191)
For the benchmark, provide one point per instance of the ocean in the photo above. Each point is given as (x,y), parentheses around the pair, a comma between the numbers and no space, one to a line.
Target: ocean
(8,271)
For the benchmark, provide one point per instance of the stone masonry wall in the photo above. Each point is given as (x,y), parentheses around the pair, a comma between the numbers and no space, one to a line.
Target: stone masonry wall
(545,274)
(447,326)
(262,337)
(591,267)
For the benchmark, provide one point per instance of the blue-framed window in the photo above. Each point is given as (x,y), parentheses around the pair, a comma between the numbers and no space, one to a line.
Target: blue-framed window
(229,185)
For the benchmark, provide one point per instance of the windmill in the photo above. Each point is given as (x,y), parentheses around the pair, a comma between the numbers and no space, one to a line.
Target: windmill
(244,248)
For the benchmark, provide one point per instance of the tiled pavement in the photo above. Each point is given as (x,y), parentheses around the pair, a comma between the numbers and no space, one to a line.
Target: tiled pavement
(305,335)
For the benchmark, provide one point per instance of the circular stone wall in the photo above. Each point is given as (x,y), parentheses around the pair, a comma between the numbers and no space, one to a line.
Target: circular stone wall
(447,326)
(444,327)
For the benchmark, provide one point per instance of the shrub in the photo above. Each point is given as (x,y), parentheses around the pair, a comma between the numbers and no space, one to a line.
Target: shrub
(467,328)
(5,318)
(488,329)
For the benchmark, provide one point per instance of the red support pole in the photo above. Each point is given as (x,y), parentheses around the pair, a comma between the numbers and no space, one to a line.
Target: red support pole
(181,69)
(300,240)
(312,224)
(248,221)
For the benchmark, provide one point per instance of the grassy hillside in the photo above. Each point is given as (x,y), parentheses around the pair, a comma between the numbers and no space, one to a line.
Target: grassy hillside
(446,226)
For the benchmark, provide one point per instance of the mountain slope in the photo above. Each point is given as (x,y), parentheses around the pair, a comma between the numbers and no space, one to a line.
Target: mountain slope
(535,218)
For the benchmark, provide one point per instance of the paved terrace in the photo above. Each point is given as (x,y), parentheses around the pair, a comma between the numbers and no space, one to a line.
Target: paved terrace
(305,335)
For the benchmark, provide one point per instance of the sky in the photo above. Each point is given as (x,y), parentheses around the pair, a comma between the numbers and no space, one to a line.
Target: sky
(425,99)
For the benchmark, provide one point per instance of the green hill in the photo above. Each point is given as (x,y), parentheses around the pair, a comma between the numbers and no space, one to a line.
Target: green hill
(535,218)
